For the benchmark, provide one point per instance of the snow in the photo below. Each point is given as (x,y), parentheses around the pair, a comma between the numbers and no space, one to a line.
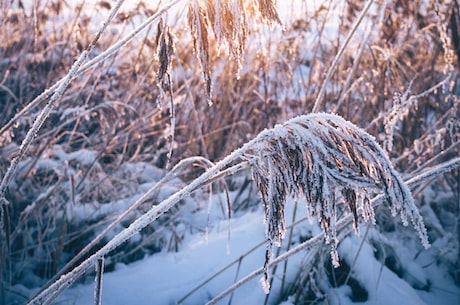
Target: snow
(385,287)
(378,280)
(166,278)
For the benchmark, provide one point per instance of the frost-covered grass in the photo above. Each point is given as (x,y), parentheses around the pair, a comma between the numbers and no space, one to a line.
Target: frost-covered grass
(200,80)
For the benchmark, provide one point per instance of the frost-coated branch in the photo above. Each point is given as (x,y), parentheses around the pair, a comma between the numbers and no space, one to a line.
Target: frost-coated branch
(434,172)
(133,207)
(341,224)
(48,294)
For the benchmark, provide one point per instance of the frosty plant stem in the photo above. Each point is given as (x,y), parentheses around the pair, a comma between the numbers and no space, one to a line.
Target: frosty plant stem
(98,281)
(146,196)
(48,294)
(316,156)
(58,92)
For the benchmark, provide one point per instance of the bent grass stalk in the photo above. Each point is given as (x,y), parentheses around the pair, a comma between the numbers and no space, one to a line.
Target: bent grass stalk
(341,224)
(287,138)
(151,192)
(48,294)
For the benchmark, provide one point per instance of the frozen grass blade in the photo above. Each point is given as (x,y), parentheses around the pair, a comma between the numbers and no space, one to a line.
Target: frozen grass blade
(98,281)
(198,22)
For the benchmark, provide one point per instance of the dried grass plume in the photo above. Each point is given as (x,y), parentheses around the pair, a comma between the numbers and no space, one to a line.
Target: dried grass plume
(228,20)
(329,162)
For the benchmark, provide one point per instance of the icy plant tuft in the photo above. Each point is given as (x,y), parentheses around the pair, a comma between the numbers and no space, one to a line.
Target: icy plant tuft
(331,163)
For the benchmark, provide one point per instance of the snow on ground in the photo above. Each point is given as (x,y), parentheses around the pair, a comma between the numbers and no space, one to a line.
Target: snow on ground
(165,278)
(385,287)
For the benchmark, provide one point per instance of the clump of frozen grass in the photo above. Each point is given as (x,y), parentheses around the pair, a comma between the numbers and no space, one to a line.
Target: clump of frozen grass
(330,162)
(315,260)
(314,156)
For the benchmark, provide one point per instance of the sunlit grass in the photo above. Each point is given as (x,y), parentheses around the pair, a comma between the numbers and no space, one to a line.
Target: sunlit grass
(203,79)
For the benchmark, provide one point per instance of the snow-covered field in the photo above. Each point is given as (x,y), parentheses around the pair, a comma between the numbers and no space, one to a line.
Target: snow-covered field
(166,278)
(210,259)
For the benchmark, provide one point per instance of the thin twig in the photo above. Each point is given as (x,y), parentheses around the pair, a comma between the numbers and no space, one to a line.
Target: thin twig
(98,280)
(319,98)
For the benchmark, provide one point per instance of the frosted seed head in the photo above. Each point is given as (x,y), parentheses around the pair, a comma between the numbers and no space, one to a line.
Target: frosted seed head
(328,161)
